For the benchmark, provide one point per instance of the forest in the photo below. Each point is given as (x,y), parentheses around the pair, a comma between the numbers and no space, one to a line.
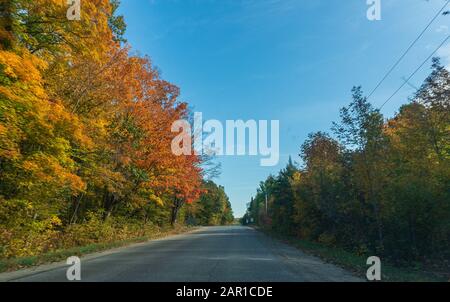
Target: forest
(375,185)
(85,135)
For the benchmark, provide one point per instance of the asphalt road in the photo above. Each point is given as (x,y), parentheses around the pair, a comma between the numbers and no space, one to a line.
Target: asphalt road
(220,254)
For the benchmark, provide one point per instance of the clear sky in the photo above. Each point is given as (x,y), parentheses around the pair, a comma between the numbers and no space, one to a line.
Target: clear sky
(289,60)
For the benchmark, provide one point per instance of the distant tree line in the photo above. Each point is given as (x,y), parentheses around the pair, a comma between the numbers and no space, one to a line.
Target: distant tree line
(213,207)
(378,187)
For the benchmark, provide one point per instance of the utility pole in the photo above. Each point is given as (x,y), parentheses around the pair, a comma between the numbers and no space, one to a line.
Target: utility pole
(266,203)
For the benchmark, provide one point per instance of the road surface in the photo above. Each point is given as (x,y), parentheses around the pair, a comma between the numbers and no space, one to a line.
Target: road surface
(223,254)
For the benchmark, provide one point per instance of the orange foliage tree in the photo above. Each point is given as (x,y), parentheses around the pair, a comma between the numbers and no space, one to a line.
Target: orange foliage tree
(85,127)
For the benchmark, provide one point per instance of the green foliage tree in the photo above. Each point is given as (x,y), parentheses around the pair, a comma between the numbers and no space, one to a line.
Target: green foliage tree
(213,207)
(380,187)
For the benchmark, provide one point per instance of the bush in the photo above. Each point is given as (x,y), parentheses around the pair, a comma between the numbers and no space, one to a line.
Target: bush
(40,237)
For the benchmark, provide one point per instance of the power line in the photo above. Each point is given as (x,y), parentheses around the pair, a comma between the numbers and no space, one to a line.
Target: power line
(409,78)
(407,50)
(410,85)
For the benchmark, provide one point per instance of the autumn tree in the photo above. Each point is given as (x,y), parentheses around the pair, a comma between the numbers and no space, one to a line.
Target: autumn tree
(85,131)
(361,132)
(376,187)
(213,206)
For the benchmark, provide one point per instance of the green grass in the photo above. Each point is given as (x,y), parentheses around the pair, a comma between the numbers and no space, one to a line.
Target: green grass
(60,255)
(357,264)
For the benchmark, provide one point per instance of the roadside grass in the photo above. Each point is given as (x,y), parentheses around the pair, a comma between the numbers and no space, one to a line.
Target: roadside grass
(357,264)
(13,264)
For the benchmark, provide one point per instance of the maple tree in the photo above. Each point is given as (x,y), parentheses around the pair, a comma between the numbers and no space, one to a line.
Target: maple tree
(85,132)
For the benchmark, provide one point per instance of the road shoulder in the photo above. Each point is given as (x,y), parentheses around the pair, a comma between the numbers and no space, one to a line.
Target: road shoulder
(53,265)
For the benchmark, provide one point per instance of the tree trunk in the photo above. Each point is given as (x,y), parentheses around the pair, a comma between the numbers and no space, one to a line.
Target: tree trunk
(374,202)
(74,217)
(173,218)
(109,201)
(177,204)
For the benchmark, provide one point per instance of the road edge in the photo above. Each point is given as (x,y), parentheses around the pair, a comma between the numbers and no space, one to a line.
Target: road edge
(9,276)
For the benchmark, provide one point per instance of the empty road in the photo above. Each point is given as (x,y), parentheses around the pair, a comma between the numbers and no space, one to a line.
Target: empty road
(220,254)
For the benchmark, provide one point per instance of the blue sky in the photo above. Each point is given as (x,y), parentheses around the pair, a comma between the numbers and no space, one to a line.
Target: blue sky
(289,60)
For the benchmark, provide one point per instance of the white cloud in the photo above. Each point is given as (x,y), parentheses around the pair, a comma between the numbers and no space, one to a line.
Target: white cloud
(442,29)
